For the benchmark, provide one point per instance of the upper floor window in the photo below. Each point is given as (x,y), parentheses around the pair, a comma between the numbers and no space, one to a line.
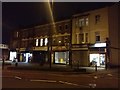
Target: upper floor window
(81,22)
(86,37)
(46,41)
(81,38)
(86,21)
(37,41)
(41,42)
(60,27)
(97,36)
(97,18)
(17,34)
(66,26)
(76,23)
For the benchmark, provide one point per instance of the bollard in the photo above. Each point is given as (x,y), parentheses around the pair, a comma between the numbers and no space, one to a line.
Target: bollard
(2,65)
(96,67)
(16,64)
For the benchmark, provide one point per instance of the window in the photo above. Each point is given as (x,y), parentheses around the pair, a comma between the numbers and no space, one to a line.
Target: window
(60,27)
(17,34)
(97,36)
(81,38)
(66,39)
(41,42)
(97,18)
(66,26)
(54,41)
(86,21)
(37,41)
(46,41)
(76,23)
(81,22)
(86,37)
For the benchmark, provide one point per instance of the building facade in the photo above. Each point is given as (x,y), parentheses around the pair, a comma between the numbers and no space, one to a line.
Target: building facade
(82,40)
(93,38)
(4,52)
(43,43)
(88,29)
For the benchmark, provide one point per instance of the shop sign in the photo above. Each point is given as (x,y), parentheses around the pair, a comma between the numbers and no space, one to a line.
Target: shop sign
(22,49)
(59,48)
(41,48)
(80,46)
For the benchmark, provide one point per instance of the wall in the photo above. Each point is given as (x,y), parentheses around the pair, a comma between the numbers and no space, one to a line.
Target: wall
(92,27)
(101,26)
(80,57)
(114,34)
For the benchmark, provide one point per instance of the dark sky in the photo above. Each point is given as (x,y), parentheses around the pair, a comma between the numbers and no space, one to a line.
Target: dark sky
(22,14)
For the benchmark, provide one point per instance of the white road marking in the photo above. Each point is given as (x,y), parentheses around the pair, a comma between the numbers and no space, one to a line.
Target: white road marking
(109,74)
(68,83)
(95,77)
(18,77)
(73,84)
(43,81)
(56,74)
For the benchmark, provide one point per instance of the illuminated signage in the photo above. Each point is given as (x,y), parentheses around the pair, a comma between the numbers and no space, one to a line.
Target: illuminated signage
(3,46)
(99,45)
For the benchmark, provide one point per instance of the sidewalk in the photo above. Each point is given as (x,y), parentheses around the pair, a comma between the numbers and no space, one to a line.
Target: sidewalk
(62,68)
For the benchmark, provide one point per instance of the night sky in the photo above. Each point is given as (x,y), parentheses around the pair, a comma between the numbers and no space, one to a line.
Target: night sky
(17,15)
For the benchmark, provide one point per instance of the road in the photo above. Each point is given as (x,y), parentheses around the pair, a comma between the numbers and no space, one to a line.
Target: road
(49,79)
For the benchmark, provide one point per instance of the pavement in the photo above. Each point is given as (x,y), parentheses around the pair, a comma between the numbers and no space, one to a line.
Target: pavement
(63,68)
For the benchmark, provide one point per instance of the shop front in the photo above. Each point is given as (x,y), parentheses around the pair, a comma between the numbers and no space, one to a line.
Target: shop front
(60,55)
(80,55)
(25,57)
(13,55)
(40,57)
(97,59)
(97,54)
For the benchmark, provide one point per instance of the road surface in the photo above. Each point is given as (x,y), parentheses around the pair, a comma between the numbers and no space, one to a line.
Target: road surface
(50,79)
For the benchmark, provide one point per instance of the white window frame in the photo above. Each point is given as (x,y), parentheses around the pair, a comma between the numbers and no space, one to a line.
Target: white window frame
(37,41)
(41,42)
(46,41)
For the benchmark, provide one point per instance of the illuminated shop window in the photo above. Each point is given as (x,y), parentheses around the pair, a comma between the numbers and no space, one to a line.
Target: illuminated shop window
(36,42)
(62,57)
(41,42)
(98,59)
(13,55)
(46,41)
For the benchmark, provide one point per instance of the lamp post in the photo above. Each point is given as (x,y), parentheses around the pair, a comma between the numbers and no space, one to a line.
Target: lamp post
(107,58)
(50,39)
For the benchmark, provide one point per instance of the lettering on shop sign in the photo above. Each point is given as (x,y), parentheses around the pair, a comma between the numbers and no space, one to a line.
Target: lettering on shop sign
(79,46)
(59,48)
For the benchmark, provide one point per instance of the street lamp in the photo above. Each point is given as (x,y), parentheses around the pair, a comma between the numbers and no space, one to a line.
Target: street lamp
(50,32)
